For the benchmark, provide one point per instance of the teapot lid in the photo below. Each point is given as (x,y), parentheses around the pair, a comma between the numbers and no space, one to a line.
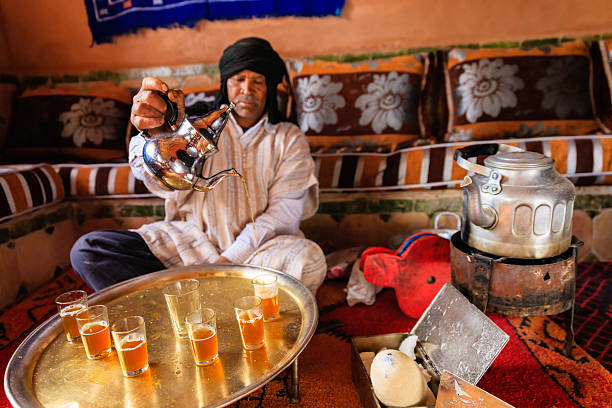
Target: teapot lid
(519,161)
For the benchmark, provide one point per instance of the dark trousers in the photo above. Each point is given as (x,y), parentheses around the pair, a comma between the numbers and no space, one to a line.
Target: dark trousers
(103,258)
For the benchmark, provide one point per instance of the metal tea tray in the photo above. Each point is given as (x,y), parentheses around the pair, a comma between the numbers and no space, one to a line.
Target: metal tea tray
(47,371)
(454,335)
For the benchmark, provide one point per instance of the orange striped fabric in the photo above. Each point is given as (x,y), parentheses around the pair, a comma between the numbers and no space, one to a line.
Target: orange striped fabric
(585,160)
(100,180)
(24,188)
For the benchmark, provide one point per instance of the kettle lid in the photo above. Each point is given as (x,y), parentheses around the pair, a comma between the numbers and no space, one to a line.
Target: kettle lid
(519,161)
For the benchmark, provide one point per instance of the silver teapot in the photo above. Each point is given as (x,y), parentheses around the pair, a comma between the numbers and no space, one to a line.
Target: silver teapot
(516,205)
(175,159)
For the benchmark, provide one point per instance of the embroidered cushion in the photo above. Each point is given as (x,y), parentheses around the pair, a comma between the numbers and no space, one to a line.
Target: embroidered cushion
(83,122)
(24,188)
(369,105)
(496,93)
(102,180)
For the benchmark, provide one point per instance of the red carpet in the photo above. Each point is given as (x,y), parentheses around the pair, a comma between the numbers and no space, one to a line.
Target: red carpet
(529,372)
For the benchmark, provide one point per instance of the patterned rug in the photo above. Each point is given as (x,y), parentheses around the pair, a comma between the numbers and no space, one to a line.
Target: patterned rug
(529,372)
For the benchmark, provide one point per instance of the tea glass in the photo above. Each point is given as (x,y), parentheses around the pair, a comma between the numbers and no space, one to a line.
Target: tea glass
(130,338)
(249,315)
(70,304)
(95,332)
(266,287)
(182,298)
(202,328)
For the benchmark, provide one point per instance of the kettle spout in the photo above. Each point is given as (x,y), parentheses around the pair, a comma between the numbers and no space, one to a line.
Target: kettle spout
(482,215)
(208,183)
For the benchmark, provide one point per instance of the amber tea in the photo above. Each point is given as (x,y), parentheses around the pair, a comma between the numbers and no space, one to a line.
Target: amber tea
(96,339)
(202,328)
(270,308)
(69,322)
(69,304)
(130,337)
(205,345)
(265,286)
(133,355)
(249,315)
(95,333)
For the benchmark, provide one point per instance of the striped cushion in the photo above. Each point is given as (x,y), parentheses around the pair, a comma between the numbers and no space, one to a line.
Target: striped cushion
(585,160)
(27,187)
(100,180)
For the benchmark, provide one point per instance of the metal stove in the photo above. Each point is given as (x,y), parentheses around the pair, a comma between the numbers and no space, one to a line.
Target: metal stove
(517,286)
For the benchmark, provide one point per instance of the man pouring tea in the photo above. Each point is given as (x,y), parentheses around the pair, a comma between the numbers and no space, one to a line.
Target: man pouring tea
(270,152)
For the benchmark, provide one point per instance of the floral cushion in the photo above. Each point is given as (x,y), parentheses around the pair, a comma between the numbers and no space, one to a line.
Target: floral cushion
(499,93)
(71,122)
(371,104)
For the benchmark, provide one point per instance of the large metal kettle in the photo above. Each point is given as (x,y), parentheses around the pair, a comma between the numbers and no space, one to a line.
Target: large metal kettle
(516,205)
(175,159)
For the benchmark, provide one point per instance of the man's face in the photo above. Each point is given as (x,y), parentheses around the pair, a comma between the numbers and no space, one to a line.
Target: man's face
(247,89)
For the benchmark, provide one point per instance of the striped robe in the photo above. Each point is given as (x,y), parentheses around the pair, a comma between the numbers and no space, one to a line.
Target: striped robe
(199,226)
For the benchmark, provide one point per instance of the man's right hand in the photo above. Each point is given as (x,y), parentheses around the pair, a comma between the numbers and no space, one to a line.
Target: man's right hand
(149,108)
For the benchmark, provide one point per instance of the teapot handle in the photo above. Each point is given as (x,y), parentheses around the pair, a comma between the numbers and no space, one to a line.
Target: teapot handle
(486,149)
(171,113)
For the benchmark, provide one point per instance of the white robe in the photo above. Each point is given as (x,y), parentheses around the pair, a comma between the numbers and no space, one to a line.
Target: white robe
(200,227)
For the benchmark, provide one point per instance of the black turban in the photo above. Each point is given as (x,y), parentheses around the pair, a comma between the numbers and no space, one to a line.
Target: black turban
(254,54)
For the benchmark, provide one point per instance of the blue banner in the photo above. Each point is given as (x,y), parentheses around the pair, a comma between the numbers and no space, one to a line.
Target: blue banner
(108,18)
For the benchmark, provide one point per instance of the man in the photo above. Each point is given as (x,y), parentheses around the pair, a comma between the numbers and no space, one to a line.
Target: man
(215,226)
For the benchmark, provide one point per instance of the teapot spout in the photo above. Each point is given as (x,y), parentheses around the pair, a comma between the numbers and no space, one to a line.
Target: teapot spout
(478,213)
(208,183)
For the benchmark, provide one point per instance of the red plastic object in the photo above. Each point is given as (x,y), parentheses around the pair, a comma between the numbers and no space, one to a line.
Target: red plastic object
(417,270)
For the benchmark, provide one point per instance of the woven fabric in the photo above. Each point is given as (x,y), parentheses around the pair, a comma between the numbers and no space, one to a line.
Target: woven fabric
(375,103)
(494,93)
(593,311)
(100,180)
(24,188)
(586,160)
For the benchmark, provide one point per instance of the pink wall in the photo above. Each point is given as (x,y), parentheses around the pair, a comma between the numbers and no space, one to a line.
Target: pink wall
(43,38)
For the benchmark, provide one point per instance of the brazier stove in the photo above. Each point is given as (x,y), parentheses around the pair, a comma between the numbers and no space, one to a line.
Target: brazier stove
(517,286)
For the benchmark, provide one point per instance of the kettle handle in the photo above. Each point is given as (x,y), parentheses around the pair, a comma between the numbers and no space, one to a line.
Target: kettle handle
(462,155)
(171,113)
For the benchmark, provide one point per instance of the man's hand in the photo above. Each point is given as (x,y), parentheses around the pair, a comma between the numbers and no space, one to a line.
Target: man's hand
(222,260)
(149,108)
